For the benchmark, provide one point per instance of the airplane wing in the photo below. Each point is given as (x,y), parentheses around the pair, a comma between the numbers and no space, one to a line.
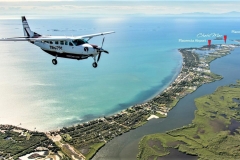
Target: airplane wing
(96,34)
(54,38)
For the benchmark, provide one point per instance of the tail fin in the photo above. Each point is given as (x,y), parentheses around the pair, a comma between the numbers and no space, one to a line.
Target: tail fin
(27,31)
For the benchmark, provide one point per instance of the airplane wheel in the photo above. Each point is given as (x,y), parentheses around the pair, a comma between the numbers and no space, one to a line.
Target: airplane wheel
(54,61)
(94,65)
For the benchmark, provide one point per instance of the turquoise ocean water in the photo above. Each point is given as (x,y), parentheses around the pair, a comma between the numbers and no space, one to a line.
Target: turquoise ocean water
(143,61)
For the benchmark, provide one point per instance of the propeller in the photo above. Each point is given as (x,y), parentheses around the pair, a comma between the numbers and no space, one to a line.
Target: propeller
(101,50)
(102,41)
(99,56)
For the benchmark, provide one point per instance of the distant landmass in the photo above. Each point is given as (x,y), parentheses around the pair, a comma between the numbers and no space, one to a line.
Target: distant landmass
(194,14)
(203,14)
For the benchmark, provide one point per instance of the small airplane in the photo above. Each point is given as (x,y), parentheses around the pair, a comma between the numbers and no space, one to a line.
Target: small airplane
(75,47)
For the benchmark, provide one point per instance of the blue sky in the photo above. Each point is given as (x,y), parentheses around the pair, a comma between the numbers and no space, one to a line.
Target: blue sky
(115,8)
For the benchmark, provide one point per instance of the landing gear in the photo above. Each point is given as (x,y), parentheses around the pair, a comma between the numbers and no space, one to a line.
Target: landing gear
(94,65)
(54,61)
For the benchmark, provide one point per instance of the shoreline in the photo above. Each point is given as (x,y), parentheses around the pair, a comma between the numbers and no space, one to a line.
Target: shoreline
(145,101)
(171,81)
(135,116)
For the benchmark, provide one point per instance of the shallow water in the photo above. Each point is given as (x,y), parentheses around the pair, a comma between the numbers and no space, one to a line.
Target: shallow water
(38,94)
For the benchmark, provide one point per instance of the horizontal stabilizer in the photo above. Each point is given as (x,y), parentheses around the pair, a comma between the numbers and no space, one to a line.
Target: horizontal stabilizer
(14,39)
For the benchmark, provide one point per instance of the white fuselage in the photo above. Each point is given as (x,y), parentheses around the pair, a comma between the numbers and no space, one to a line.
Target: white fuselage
(80,47)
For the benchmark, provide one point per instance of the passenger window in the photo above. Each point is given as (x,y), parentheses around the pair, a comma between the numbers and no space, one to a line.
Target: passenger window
(66,42)
(62,42)
(56,42)
(46,42)
(70,44)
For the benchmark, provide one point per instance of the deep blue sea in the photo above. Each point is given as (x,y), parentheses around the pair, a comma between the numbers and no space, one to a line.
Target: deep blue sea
(143,61)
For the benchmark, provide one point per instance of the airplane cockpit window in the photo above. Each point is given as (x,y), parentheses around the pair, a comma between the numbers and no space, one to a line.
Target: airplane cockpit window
(56,42)
(70,44)
(78,42)
(51,42)
(66,42)
(62,42)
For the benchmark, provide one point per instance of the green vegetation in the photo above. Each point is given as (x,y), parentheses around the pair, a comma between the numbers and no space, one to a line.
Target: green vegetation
(160,115)
(16,142)
(213,56)
(93,149)
(66,137)
(213,134)
(174,103)
(213,76)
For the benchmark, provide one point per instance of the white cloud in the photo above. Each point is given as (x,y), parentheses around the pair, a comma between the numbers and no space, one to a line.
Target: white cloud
(114,7)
